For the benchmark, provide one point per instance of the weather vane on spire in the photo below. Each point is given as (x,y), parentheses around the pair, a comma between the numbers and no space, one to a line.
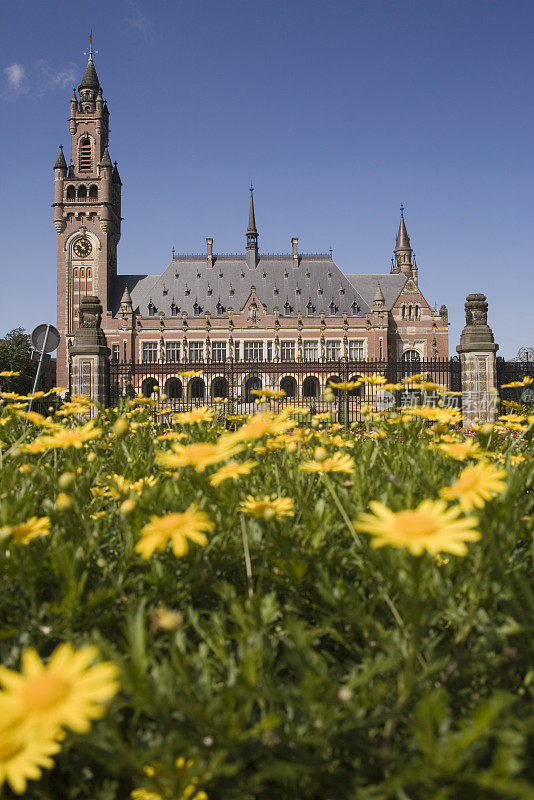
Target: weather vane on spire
(251,187)
(402,209)
(91,52)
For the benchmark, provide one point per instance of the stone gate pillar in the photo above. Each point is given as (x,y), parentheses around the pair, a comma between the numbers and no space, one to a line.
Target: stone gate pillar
(90,354)
(477,355)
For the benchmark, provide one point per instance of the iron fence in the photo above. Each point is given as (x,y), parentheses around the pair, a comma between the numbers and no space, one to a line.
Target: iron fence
(514,372)
(231,386)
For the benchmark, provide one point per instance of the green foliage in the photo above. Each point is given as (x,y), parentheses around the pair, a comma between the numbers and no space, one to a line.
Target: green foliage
(15,352)
(349,674)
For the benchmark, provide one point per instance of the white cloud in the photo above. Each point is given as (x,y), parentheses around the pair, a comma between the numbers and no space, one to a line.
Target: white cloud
(16,77)
(56,78)
(138,21)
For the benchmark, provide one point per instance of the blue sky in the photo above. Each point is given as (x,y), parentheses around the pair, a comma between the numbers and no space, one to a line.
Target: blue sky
(337,111)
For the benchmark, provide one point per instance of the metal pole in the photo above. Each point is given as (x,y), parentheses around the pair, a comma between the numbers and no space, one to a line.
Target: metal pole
(38,373)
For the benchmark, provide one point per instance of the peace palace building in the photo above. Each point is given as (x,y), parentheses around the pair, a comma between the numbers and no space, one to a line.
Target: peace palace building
(292,307)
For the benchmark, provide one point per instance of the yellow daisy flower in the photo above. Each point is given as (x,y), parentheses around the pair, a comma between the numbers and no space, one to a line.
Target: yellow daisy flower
(475,486)
(24,532)
(66,692)
(374,380)
(23,752)
(262,424)
(265,508)
(8,373)
(64,437)
(232,470)
(339,462)
(517,384)
(268,392)
(175,528)
(202,414)
(198,455)
(431,526)
(191,373)
(345,386)
(461,450)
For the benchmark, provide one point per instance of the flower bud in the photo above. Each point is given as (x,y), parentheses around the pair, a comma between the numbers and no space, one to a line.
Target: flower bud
(63,501)
(127,506)
(320,454)
(66,480)
(120,427)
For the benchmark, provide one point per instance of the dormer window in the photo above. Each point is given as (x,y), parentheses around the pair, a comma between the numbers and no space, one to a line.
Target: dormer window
(297,291)
(232,290)
(174,309)
(333,307)
(342,291)
(196,307)
(307,274)
(209,290)
(187,290)
(287,307)
(319,290)
(85,162)
(264,275)
(310,307)
(151,309)
(219,307)
(165,290)
(275,290)
(355,307)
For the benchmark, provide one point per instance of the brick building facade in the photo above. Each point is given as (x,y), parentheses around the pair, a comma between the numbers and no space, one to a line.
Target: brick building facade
(293,307)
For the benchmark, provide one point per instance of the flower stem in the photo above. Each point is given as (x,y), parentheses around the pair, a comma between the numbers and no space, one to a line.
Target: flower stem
(246,551)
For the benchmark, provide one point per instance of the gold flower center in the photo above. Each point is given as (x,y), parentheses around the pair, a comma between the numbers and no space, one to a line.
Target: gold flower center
(45,691)
(415,523)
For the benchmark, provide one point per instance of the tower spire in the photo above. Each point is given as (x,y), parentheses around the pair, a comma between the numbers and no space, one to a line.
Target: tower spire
(252,234)
(403,249)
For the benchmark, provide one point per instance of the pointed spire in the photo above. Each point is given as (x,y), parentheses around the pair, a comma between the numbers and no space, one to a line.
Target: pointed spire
(126,298)
(251,232)
(115,177)
(379,298)
(252,235)
(60,160)
(73,99)
(403,240)
(105,161)
(90,78)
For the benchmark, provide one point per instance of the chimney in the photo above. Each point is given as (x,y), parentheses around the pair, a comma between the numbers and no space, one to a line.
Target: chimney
(209,242)
(295,246)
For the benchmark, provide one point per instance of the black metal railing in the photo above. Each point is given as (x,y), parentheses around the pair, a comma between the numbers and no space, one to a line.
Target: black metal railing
(231,386)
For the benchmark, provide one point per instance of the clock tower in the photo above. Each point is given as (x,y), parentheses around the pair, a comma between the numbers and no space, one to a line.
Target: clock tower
(87,213)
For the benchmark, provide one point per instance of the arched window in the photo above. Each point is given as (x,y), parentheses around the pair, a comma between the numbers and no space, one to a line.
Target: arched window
(288,385)
(174,389)
(93,192)
(75,273)
(82,191)
(148,386)
(404,312)
(82,272)
(250,384)
(410,312)
(71,192)
(357,392)
(411,357)
(310,386)
(219,387)
(410,360)
(89,274)
(85,156)
(416,312)
(196,389)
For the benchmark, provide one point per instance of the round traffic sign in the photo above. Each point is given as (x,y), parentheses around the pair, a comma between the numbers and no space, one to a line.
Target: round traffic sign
(45,338)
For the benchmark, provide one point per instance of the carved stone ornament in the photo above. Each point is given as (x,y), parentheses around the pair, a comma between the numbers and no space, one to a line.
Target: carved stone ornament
(477,335)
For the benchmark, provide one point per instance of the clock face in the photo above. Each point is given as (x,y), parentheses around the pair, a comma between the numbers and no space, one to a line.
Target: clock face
(82,247)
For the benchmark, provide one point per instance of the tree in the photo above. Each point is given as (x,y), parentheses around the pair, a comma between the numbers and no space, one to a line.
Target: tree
(15,356)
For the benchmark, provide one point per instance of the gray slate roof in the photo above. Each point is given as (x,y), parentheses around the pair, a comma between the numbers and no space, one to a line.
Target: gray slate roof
(391,286)
(189,285)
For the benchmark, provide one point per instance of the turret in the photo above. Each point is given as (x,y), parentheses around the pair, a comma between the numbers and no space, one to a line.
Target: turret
(60,173)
